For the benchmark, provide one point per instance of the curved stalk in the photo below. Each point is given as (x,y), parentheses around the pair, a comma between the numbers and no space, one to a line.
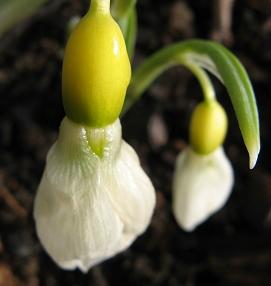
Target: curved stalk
(198,54)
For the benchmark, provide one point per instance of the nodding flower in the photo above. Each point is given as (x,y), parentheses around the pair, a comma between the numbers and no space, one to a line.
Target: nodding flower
(203,176)
(94,198)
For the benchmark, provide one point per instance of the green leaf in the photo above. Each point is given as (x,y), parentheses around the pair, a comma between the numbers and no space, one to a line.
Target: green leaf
(124,12)
(13,11)
(121,8)
(128,26)
(220,62)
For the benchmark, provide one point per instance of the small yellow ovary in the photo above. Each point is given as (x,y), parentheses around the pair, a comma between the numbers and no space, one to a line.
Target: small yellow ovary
(208,127)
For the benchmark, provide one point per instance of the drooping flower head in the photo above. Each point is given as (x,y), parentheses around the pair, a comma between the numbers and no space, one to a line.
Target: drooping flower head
(94,198)
(203,176)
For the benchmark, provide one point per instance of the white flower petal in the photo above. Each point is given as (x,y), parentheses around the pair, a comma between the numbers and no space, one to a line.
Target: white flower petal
(133,195)
(81,217)
(201,186)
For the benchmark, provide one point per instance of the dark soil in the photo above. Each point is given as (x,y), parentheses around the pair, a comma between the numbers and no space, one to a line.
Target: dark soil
(233,247)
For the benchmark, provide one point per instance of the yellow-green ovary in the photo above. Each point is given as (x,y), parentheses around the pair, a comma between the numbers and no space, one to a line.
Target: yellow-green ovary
(208,127)
(96,71)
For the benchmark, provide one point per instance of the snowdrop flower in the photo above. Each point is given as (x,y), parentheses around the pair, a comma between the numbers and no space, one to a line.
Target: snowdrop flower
(203,176)
(88,207)
(201,186)
(94,199)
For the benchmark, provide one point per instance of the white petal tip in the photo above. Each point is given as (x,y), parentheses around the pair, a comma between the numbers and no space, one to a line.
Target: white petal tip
(189,228)
(74,264)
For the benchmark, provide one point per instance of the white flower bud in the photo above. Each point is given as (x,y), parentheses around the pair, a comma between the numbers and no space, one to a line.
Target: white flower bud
(89,208)
(201,186)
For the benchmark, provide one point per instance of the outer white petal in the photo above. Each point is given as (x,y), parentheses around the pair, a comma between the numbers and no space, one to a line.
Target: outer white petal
(80,215)
(133,195)
(201,186)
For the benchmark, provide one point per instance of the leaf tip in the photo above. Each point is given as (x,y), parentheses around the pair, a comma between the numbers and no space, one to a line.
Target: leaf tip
(253,154)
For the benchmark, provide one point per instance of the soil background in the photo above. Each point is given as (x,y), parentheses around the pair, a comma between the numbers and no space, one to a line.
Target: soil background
(233,247)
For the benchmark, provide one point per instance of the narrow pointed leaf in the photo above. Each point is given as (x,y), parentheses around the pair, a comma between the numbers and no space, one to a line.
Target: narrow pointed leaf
(220,62)
(128,26)
(121,8)
(124,12)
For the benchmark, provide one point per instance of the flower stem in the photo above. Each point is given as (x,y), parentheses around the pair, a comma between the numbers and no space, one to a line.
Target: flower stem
(204,80)
(159,63)
(101,6)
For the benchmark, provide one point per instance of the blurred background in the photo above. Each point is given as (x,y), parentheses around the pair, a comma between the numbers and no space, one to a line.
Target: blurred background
(234,246)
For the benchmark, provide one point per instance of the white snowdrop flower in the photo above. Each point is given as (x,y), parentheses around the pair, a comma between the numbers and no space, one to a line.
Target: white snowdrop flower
(201,186)
(88,207)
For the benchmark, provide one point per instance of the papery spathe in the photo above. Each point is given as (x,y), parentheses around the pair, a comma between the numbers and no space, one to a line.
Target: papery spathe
(201,186)
(89,208)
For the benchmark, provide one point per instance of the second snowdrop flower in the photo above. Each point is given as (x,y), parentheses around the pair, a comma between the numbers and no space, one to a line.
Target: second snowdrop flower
(203,176)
